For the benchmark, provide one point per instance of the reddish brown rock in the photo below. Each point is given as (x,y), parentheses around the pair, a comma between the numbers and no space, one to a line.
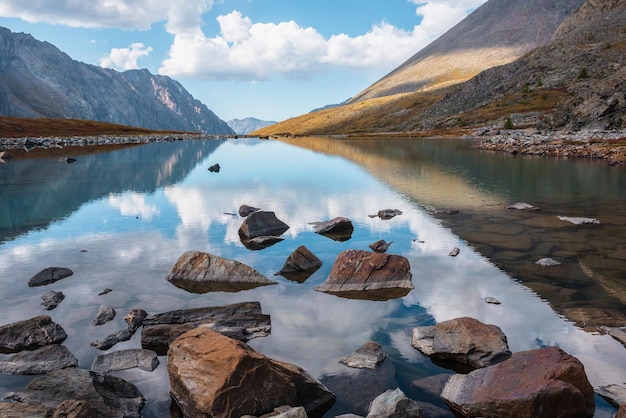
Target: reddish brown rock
(360,274)
(462,344)
(213,375)
(22,410)
(537,383)
(621,412)
(200,272)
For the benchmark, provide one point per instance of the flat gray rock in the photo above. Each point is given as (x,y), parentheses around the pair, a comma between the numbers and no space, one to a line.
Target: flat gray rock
(30,334)
(547,262)
(49,275)
(579,221)
(125,359)
(112,339)
(40,361)
(615,394)
(522,206)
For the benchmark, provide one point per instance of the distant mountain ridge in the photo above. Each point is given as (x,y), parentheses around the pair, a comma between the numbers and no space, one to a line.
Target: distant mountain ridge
(246,125)
(38,80)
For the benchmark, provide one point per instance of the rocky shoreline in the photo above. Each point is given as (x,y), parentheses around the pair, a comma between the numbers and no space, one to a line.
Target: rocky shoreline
(598,145)
(28,143)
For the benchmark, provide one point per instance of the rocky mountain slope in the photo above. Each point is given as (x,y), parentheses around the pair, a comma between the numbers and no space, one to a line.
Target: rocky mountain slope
(246,125)
(497,33)
(574,81)
(38,80)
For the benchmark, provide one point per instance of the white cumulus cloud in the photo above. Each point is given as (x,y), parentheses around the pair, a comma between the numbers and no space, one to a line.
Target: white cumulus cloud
(125,58)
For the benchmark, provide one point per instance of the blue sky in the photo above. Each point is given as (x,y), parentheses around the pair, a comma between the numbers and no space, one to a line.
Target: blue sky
(269,59)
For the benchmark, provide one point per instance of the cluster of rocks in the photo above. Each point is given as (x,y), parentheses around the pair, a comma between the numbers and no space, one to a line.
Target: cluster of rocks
(603,145)
(28,143)
(214,372)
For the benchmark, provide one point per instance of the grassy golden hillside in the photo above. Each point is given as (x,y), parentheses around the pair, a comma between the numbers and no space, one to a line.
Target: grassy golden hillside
(11,127)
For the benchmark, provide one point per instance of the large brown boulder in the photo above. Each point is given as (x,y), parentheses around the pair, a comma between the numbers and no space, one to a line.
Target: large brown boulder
(214,375)
(462,344)
(199,272)
(358,274)
(543,383)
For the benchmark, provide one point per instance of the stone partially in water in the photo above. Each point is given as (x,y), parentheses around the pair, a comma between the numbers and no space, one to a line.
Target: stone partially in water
(462,344)
(199,272)
(369,356)
(104,315)
(213,375)
(40,361)
(338,229)
(51,299)
(49,275)
(109,396)
(245,210)
(112,339)
(579,221)
(547,262)
(394,403)
(30,334)
(547,380)
(387,214)
(380,246)
(125,359)
(300,265)
(135,318)
(522,206)
(261,223)
(358,274)
(242,321)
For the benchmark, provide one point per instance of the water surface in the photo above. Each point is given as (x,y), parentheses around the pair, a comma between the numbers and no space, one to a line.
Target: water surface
(120,220)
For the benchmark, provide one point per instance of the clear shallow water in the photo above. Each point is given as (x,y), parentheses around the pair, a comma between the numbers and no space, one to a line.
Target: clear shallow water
(136,210)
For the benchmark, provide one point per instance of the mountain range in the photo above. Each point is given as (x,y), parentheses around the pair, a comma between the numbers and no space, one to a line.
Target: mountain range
(546,64)
(38,80)
(246,125)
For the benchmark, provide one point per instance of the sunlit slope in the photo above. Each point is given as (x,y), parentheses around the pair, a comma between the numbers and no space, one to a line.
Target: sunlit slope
(497,33)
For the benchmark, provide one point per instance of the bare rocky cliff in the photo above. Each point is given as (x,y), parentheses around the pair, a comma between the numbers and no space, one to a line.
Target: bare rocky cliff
(38,80)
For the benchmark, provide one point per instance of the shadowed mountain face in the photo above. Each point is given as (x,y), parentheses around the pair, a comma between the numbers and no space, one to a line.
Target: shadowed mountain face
(497,33)
(38,80)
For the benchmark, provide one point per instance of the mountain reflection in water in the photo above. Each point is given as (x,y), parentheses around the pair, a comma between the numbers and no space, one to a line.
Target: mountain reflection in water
(126,235)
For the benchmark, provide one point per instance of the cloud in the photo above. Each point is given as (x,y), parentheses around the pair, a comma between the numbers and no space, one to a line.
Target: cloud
(243,49)
(120,14)
(125,58)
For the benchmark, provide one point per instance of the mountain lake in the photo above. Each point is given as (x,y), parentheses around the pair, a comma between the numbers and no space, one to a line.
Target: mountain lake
(120,218)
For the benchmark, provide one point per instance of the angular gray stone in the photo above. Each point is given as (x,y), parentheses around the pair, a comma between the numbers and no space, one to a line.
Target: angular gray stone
(387,214)
(300,265)
(522,206)
(492,300)
(462,344)
(454,252)
(547,262)
(104,315)
(615,394)
(380,246)
(135,319)
(125,359)
(40,361)
(338,229)
(109,396)
(369,356)
(199,272)
(49,275)
(261,223)
(112,339)
(394,404)
(51,299)
(30,334)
